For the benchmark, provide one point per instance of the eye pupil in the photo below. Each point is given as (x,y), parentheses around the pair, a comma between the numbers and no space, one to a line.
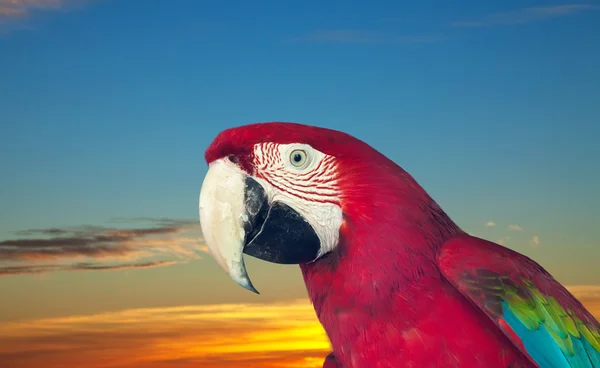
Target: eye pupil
(298,158)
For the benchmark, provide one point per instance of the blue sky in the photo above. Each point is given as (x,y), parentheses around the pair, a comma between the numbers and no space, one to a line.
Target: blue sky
(106,107)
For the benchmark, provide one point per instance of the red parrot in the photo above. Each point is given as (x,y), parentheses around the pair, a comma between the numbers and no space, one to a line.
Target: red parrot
(393,280)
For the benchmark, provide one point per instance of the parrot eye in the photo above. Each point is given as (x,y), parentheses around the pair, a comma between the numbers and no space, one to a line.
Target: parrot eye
(298,157)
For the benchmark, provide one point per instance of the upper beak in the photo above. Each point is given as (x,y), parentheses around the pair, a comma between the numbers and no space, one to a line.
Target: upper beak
(237,217)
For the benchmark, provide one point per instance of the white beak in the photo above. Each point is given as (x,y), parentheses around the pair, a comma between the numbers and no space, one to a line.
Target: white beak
(222,215)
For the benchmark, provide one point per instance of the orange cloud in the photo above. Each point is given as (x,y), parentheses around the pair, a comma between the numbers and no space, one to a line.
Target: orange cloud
(228,335)
(20,8)
(283,335)
(582,292)
(588,295)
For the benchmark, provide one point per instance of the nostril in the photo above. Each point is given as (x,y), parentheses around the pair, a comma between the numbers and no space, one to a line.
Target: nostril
(233,159)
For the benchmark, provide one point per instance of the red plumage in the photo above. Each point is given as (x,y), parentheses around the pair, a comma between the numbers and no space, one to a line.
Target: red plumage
(381,296)
(390,294)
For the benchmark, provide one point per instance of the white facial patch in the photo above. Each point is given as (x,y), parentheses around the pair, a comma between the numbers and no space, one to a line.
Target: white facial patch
(310,188)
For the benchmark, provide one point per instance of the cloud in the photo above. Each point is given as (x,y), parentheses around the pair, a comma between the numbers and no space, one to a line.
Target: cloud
(99,248)
(266,335)
(585,292)
(503,241)
(527,15)
(84,266)
(515,227)
(20,8)
(490,224)
(364,37)
(285,334)
(24,14)
(535,241)
(589,296)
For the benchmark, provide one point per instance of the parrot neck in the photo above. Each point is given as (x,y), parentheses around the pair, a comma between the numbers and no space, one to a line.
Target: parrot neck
(386,256)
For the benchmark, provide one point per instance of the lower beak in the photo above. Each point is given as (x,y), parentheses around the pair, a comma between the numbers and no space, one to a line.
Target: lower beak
(237,217)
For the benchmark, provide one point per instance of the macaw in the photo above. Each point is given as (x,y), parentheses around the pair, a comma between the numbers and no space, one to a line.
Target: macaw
(393,280)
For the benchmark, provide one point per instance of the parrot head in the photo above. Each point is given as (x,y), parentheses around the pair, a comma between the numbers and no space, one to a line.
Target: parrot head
(285,193)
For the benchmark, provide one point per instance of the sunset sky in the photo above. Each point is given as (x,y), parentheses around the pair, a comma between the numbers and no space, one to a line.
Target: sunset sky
(107,106)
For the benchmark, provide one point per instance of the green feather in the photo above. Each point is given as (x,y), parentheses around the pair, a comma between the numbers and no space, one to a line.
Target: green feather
(533,309)
(589,335)
(569,324)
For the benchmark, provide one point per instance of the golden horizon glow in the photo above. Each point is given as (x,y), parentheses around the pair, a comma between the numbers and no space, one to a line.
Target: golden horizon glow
(278,334)
(268,335)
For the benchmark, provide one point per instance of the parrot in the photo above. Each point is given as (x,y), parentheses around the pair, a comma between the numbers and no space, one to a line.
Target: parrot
(392,279)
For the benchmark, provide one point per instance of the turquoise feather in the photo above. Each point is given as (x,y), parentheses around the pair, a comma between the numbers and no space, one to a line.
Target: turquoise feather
(543,349)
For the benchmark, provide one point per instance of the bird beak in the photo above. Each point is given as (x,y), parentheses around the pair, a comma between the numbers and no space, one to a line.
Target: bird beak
(236,217)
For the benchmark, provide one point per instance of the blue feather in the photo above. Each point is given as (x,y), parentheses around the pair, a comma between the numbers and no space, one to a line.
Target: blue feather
(592,353)
(545,352)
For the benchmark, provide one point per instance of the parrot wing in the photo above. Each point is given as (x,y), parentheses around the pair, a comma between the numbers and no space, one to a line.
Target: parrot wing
(533,310)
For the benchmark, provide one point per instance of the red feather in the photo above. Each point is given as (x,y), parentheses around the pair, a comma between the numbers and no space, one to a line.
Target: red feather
(380,295)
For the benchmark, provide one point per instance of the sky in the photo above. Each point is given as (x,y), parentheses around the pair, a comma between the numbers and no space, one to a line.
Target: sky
(107,106)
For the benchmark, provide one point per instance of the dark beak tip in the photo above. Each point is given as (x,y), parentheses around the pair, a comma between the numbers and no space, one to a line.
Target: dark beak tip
(247,284)
(252,289)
